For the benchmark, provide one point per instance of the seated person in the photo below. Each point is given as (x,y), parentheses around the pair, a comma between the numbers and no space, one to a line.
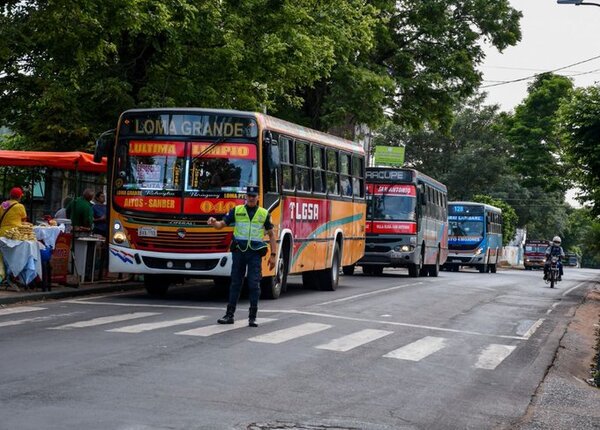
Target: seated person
(12,211)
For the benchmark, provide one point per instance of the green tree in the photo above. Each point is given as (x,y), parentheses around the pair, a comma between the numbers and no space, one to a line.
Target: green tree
(509,216)
(538,151)
(69,67)
(579,123)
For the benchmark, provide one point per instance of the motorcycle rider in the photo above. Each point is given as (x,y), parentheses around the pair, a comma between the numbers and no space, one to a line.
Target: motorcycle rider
(554,250)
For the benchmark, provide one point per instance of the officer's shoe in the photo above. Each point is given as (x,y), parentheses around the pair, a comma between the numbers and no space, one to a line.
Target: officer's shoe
(228,317)
(252,316)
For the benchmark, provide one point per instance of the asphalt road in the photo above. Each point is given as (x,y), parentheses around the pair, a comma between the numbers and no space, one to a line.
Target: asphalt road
(464,350)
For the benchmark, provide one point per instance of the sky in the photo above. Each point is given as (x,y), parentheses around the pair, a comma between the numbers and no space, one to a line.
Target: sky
(553,36)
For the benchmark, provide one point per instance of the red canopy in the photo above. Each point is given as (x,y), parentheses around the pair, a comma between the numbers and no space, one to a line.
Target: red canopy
(80,161)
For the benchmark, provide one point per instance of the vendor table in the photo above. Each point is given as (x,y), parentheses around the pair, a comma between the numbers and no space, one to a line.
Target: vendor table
(86,247)
(22,259)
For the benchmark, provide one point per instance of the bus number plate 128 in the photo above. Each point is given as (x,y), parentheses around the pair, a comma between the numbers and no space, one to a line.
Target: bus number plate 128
(147,232)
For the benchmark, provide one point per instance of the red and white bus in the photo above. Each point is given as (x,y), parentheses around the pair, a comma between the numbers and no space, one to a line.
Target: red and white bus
(407,222)
(171,169)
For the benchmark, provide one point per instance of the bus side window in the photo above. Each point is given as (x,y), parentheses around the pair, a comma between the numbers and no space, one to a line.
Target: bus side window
(270,175)
(345,180)
(332,172)
(358,177)
(287,171)
(302,167)
(318,169)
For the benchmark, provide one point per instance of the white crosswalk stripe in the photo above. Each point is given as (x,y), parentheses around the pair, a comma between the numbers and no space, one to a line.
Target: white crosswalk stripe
(493,355)
(139,328)
(354,340)
(295,332)
(105,320)
(419,349)
(221,328)
(10,311)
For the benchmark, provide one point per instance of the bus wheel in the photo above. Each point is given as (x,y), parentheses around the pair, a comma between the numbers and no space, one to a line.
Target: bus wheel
(493,268)
(413,270)
(483,268)
(434,269)
(329,278)
(348,270)
(377,270)
(271,286)
(156,285)
(310,280)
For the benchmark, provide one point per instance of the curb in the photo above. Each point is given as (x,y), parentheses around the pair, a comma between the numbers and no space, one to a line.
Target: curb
(19,297)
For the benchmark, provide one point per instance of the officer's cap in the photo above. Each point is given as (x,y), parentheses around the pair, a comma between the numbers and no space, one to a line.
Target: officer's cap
(252,190)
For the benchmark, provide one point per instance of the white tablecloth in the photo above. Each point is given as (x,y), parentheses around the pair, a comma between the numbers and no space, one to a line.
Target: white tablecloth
(22,258)
(48,235)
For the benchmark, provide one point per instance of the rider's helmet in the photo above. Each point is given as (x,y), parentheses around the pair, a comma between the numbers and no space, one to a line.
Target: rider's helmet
(556,241)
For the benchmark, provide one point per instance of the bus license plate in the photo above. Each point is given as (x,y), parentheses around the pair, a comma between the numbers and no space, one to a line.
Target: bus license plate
(147,232)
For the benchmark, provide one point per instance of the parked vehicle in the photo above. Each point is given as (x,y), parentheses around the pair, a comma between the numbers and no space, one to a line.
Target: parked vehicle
(571,260)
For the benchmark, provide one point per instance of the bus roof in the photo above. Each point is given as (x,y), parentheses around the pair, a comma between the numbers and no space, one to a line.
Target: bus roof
(416,175)
(271,123)
(485,205)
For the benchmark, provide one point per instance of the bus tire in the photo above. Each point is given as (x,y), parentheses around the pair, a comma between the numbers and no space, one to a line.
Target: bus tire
(272,286)
(329,278)
(310,280)
(156,285)
(483,268)
(348,270)
(493,268)
(434,269)
(377,270)
(413,270)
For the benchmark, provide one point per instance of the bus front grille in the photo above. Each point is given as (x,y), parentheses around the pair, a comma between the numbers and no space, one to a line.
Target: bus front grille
(191,242)
(173,264)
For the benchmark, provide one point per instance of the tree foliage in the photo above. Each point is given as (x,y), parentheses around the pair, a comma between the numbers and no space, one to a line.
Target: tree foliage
(579,123)
(69,67)
(539,156)
(509,216)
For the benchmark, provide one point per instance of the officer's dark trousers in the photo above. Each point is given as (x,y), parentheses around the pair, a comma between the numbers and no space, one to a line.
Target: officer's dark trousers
(241,260)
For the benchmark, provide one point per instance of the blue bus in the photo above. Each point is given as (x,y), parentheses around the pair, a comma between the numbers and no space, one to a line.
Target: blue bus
(474,236)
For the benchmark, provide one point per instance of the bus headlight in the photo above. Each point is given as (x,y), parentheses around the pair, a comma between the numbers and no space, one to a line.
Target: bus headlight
(479,251)
(119,237)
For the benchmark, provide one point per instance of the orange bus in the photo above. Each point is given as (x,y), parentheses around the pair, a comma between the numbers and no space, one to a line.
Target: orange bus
(171,169)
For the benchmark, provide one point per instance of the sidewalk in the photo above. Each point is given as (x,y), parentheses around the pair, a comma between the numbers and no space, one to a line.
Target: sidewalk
(11,296)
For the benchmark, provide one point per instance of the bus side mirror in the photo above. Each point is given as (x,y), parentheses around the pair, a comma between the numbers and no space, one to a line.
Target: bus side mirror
(273,157)
(103,143)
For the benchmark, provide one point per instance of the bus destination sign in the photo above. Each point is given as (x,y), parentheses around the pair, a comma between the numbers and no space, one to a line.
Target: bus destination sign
(389,175)
(168,124)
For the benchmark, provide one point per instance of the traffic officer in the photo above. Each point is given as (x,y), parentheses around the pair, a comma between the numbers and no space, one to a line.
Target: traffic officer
(250,223)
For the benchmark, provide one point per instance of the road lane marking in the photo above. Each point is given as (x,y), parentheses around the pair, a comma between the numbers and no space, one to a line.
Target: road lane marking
(574,288)
(221,328)
(138,328)
(533,328)
(37,319)
(316,314)
(105,320)
(552,308)
(419,349)
(356,296)
(280,336)
(493,355)
(10,311)
(354,340)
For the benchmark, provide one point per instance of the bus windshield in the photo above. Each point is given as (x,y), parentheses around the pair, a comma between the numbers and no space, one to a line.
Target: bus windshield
(168,175)
(391,202)
(464,228)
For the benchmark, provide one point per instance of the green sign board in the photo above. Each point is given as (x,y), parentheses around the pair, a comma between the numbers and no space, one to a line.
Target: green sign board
(389,155)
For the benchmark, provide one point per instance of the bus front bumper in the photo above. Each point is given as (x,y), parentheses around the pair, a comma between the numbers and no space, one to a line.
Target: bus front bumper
(464,260)
(126,260)
(388,259)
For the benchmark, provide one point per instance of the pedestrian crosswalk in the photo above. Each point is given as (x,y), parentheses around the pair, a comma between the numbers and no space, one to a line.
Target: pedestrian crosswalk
(335,337)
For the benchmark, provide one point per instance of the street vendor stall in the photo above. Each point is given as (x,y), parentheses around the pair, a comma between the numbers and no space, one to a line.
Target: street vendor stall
(22,258)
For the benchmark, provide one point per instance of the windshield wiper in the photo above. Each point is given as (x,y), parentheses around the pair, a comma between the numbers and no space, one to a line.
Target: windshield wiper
(209,148)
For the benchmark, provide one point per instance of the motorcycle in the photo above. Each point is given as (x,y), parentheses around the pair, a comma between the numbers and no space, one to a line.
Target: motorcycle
(553,271)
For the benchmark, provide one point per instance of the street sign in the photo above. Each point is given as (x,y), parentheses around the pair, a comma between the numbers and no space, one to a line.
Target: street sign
(389,155)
